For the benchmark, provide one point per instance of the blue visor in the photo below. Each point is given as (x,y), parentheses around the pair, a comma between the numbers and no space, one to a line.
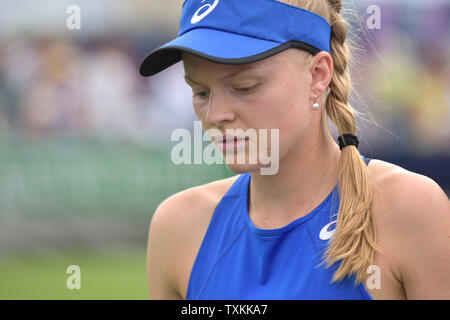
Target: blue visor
(239,32)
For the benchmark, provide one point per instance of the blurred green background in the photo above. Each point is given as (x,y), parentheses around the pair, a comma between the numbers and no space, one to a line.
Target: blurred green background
(85,142)
(88,203)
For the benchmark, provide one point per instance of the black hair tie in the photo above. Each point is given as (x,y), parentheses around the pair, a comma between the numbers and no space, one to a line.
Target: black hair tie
(348,139)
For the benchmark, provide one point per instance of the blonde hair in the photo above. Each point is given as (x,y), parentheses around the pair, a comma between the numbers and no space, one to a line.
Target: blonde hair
(353,242)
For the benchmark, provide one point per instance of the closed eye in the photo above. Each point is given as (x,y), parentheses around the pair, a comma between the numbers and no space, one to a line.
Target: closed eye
(244,90)
(201,94)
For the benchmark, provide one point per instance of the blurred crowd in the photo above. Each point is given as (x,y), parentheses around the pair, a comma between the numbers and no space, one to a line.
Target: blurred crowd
(53,85)
(406,77)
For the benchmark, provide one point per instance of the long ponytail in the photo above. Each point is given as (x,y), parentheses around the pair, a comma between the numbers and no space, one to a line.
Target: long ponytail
(353,242)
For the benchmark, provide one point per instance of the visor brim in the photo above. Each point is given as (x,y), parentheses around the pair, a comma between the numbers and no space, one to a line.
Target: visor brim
(216,46)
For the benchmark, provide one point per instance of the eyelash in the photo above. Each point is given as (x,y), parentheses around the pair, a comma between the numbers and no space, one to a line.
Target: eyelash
(245,90)
(199,94)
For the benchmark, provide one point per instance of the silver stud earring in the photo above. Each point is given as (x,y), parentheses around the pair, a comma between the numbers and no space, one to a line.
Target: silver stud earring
(316,104)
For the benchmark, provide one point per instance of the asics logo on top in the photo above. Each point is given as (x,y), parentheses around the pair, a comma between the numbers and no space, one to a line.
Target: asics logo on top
(324,233)
(198,17)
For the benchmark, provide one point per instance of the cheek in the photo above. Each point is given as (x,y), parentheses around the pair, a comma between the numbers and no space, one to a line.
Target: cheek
(286,110)
(199,109)
(282,109)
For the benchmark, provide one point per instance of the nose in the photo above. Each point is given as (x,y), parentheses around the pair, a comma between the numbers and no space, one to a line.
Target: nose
(219,110)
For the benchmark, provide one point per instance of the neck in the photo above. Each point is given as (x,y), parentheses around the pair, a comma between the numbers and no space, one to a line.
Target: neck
(299,186)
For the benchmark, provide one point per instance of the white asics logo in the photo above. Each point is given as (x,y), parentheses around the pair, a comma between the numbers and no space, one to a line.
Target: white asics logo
(196,18)
(325,234)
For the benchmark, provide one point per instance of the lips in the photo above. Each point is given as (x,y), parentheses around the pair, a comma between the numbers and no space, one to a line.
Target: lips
(230,143)
(229,139)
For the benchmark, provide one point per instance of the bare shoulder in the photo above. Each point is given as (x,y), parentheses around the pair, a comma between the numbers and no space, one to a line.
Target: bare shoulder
(194,204)
(403,199)
(403,191)
(176,229)
(412,220)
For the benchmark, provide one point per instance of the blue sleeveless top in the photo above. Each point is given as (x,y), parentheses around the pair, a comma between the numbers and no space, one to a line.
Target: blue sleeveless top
(237,261)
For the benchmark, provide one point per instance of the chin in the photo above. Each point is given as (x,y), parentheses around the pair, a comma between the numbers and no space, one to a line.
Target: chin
(241,162)
(258,168)
(243,168)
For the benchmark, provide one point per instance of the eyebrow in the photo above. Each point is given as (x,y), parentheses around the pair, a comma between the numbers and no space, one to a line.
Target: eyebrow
(229,75)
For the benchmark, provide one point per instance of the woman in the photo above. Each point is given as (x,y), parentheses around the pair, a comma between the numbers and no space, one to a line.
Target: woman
(329,224)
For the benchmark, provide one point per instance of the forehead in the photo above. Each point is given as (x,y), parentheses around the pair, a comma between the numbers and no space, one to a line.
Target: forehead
(197,65)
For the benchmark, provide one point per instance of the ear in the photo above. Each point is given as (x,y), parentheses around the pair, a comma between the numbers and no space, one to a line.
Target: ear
(321,72)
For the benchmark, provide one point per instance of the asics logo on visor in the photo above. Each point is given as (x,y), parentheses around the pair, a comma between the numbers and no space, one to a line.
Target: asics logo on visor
(198,17)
